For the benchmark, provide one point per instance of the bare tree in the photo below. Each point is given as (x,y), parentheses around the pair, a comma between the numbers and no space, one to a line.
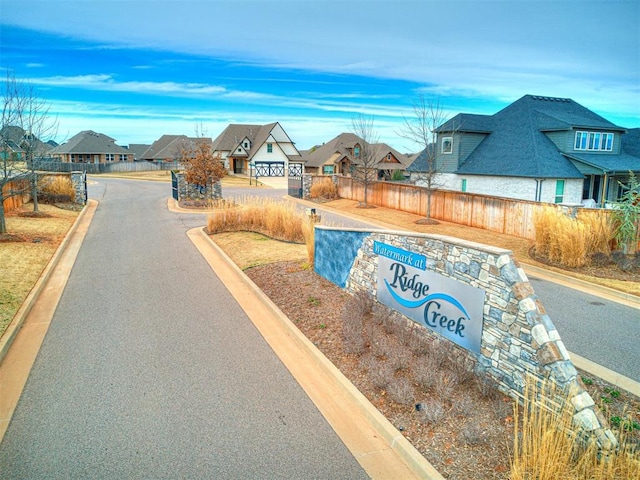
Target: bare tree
(37,125)
(421,130)
(366,168)
(201,166)
(12,166)
(25,122)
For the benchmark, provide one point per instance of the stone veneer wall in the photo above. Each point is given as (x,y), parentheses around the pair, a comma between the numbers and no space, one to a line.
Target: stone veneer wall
(518,337)
(79,181)
(187,191)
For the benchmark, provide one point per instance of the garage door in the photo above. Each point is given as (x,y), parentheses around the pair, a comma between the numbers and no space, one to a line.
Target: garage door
(269,169)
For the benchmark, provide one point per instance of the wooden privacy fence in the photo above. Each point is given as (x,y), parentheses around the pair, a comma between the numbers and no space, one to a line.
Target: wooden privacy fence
(15,194)
(496,214)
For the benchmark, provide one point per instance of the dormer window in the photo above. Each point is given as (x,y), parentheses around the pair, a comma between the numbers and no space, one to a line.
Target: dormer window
(447,145)
(246,144)
(356,151)
(594,141)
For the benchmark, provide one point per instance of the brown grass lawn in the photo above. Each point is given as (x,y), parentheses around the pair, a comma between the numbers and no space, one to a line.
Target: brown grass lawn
(259,250)
(33,241)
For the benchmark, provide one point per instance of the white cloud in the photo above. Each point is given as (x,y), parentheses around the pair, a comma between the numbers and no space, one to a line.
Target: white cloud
(106,82)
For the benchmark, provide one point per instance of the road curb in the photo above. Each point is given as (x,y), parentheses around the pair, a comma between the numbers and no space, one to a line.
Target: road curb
(410,456)
(18,319)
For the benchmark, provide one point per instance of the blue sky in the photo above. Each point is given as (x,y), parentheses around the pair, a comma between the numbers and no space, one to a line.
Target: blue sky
(137,69)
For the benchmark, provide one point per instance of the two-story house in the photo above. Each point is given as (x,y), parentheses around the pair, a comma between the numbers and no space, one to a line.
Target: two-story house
(539,149)
(91,147)
(263,150)
(341,155)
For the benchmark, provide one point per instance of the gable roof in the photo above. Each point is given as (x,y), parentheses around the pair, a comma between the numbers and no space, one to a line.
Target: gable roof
(420,163)
(138,149)
(14,137)
(516,144)
(234,134)
(341,147)
(335,149)
(89,141)
(170,146)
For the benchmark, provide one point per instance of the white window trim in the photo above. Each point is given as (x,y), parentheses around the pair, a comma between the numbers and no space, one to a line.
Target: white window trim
(604,139)
(444,140)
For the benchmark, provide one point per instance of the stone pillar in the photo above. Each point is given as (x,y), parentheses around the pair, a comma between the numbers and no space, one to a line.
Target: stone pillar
(307,181)
(79,181)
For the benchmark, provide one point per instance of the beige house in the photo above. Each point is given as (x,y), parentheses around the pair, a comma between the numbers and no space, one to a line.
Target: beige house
(342,155)
(91,147)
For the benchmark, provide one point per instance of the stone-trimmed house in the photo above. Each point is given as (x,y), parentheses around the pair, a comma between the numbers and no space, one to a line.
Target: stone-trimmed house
(341,155)
(540,149)
(91,147)
(263,149)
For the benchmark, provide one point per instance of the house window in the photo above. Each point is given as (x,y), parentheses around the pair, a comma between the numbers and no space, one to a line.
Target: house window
(463,187)
(388,156)
(246,145)
(559,191)
(269,147)
(108,157)
(356,151)
(123,157)
(594,141)
(328,169)
(447,145)
(239,149)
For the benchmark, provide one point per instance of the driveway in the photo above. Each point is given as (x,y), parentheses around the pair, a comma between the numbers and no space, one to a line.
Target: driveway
(150,369)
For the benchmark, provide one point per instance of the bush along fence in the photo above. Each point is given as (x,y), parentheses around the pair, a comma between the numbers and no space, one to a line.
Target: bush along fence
(17,193)
(496,214)
(475,296)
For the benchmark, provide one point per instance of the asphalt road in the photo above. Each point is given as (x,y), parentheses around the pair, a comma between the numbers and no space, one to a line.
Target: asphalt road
(605,332)
(150,369)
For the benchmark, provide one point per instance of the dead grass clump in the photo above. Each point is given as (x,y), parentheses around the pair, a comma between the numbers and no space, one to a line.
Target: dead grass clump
(325,188)
(270,217)
(571,241)
(547,445)
(55,188)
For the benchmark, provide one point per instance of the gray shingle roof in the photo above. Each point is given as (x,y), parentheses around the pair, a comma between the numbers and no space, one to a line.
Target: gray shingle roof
(419,163)
(234,134)
(89,141)
(14,137)
(517,145)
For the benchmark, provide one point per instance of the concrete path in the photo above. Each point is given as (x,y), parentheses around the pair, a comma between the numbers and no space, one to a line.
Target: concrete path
(150,369)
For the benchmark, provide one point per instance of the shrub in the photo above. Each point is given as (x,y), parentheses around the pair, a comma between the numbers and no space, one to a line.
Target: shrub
(380,373)
(400,391)
(324,188)
(55,188)
(270,217)
(431,411)
(547,444)
(570,241)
